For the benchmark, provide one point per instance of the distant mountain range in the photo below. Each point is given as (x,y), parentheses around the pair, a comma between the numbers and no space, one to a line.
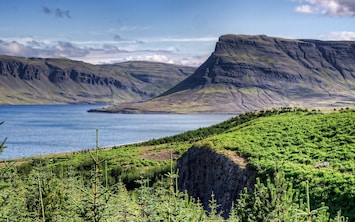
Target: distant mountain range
(247,73)
(56,81)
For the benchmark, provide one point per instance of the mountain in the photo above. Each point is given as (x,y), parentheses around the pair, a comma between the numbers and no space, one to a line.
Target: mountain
(50,81)
(247,73)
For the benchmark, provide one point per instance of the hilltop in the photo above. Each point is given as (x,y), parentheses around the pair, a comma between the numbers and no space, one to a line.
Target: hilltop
(247,73)
(55,81)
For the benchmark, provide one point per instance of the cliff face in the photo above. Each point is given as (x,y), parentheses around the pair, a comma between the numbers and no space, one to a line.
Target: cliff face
(247,73)
(32,80)
(203,171)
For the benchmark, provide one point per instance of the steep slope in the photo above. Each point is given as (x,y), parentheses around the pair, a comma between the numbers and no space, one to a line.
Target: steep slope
(33,81)
(247,73)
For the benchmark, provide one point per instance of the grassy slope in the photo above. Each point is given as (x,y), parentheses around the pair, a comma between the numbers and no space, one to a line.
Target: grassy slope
(217,98)
(309,146)
(319,148)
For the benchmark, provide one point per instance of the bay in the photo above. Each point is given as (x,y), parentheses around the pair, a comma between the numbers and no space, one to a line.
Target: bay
(33,130)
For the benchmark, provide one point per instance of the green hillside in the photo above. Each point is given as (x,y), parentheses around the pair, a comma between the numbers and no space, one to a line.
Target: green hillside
(316,147)
(286,148)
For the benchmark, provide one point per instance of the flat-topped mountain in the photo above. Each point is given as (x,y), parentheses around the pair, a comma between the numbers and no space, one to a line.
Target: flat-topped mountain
(247,73)
(51,81)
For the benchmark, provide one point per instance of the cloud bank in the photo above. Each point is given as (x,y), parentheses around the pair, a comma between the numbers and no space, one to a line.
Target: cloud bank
(100,54)
(327,7)
(348,36)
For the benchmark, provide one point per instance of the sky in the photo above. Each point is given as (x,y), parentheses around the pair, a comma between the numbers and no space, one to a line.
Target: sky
(171,31)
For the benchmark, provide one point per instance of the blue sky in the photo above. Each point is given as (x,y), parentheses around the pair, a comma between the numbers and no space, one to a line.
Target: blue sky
(172,31)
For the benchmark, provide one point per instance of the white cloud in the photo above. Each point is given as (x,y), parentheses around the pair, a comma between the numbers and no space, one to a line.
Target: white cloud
(14,48)
(105,56)
(307,9)
(95,52)
(198,39)
(348,36)
(327,7)
(151,40)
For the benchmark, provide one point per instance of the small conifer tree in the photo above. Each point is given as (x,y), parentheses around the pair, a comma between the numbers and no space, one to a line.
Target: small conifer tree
(2,145)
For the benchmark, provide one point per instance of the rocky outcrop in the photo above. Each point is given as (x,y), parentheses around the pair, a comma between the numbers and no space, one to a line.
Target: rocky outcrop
(34,80)
(247,73)
(203,171)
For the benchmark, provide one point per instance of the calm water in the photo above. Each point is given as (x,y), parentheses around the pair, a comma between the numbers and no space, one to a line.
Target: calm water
(37,130)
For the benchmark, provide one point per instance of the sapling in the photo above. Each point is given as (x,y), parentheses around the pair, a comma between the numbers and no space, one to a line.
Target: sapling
(2,146)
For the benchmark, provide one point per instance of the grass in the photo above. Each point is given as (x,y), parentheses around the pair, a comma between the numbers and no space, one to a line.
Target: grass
(316,147)
(303,145)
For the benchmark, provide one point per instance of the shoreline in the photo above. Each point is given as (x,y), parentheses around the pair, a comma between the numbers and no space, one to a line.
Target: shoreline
(28,159)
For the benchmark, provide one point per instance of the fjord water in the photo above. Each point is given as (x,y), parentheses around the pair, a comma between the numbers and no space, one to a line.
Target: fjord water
(33,130)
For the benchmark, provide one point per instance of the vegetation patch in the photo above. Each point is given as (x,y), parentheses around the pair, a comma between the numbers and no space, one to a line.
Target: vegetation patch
(306,146)
(304,162)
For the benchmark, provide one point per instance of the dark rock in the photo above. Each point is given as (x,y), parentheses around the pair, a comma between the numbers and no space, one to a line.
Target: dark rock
(30,72)
(58,76)
(203,171)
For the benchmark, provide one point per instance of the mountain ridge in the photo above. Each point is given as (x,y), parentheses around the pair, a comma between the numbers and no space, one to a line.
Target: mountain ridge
(53,81)
(247,73)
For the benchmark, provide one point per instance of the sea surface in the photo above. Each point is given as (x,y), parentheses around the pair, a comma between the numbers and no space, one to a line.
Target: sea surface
(33,130)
